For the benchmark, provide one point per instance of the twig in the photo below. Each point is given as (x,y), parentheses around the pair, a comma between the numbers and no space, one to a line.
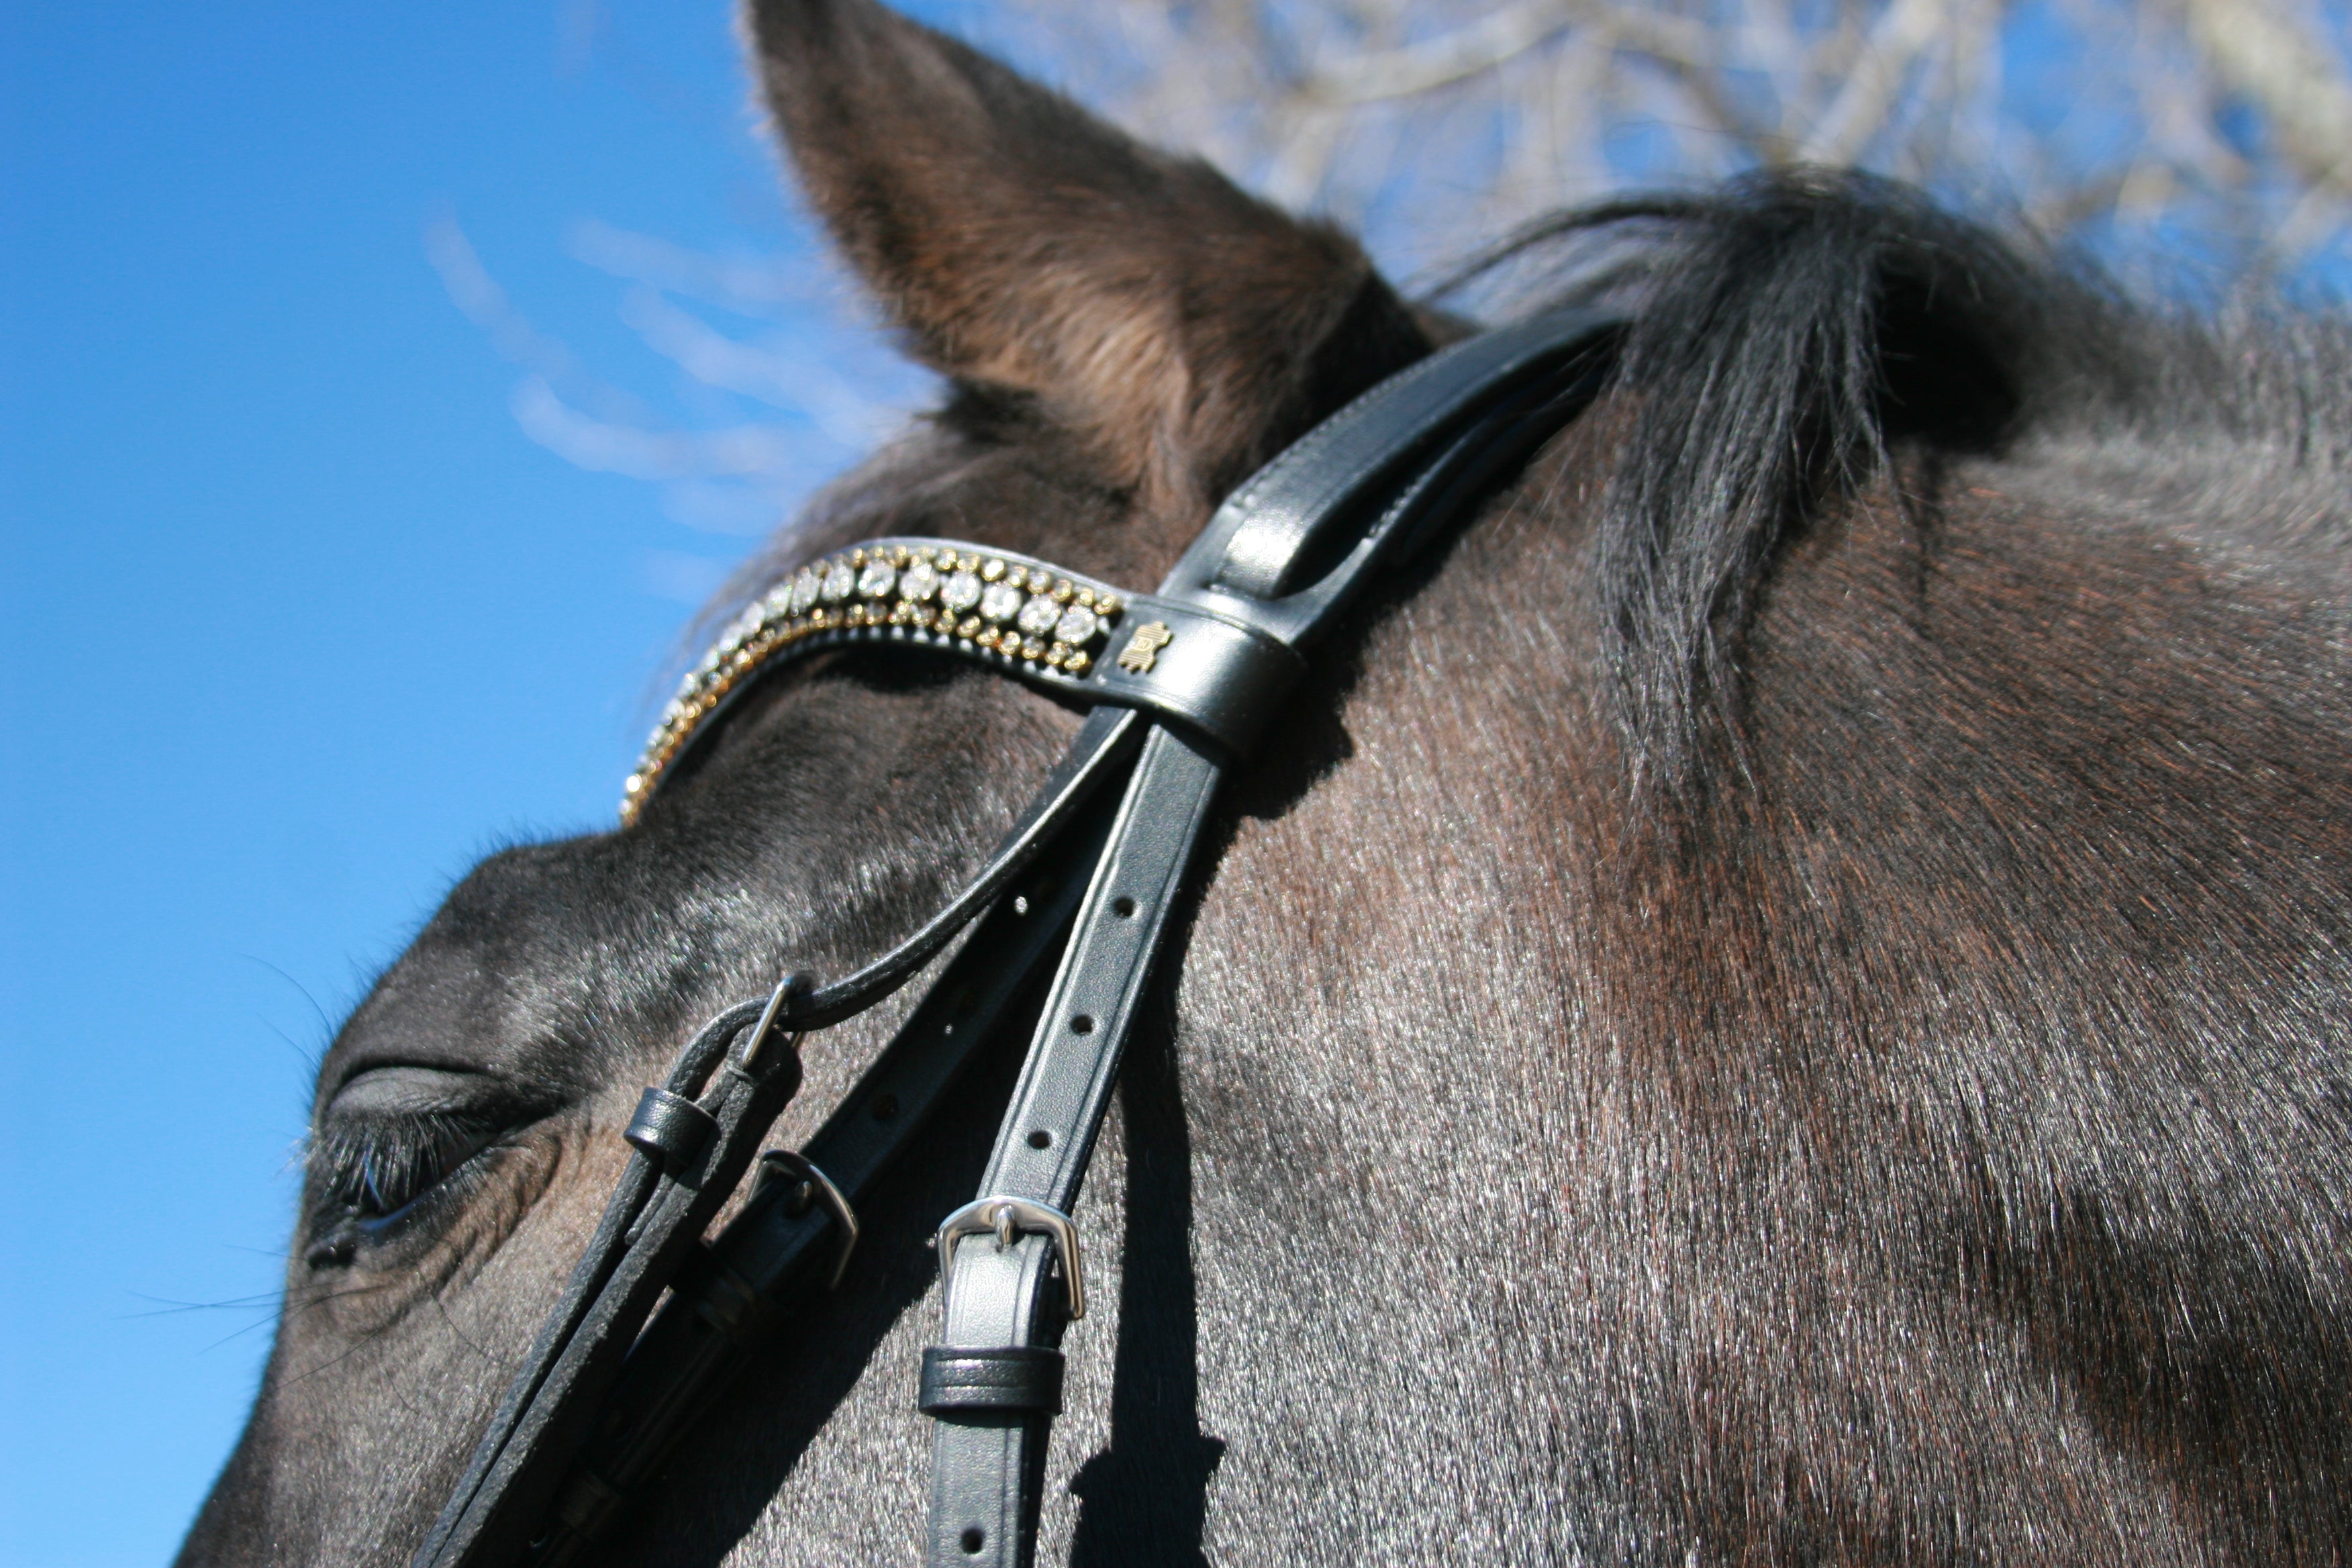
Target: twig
(1859,112)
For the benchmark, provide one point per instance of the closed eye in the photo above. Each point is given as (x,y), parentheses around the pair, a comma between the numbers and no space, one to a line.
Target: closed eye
(393,1140)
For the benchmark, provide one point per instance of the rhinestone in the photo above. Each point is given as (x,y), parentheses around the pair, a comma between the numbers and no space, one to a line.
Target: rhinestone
(1041,581)
(918,581)
(971,626)
(1056,653)
(960,592)
(840,582)
(993,571)
(899,556)
(877,581)
(1031,648)
(805,590)
(1038,615)
(1076,664)
(1002,602)
(1076,626)
(1108,606)
(1064,591)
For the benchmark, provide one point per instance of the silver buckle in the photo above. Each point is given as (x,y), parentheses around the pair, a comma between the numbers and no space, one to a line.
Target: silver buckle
(1007,1217)
(784,1164)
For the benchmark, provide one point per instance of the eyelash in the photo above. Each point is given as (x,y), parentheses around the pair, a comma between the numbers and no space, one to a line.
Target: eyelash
(372,1172)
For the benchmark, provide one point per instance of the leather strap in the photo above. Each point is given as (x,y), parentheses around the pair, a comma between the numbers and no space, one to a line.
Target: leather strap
(775,1251)
(1463,414)
(985,1467)
(663,1205)
(643,1239)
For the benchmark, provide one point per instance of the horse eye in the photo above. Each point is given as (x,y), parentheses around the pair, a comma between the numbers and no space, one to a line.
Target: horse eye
(391,1138)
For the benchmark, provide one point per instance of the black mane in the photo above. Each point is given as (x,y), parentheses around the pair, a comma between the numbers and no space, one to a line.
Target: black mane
(1794,331)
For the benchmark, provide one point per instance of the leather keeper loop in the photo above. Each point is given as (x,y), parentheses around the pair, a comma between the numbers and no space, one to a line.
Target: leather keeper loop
(1019,1378)
(670,1127)
(1223,677)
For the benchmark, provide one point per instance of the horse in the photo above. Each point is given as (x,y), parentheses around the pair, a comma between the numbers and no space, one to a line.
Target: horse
(1778,998)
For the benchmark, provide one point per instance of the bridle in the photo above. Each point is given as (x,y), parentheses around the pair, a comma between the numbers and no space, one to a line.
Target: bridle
(1180,685)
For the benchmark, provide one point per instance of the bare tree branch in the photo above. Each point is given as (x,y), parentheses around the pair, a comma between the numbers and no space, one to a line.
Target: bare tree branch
(1859,113)
(2297,80)
(1440,62)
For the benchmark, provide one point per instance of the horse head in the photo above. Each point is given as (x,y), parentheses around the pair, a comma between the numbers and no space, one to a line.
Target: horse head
(1777,995)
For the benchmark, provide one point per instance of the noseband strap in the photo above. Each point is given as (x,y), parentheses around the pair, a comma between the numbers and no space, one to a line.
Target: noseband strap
(1184,681)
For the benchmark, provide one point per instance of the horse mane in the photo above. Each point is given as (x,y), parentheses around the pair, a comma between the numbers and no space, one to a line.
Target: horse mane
(1793,331)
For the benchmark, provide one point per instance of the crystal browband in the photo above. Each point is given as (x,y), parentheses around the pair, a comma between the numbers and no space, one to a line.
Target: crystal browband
(1045,624)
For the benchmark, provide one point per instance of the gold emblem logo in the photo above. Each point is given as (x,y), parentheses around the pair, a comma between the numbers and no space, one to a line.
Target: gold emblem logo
(1143,648)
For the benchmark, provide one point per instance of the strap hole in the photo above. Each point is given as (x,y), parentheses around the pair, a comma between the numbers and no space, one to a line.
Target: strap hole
(1082,1025)
(1041,1139)
(1123,907)
(974,1538)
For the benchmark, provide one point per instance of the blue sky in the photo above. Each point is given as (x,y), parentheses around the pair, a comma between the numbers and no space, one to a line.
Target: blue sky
(297,620)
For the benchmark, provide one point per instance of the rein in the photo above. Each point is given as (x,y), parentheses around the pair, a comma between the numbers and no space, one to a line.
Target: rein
(1181,684)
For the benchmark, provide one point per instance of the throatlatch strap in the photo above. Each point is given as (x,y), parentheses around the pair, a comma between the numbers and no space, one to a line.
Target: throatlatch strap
(1461,416)
(984,1499)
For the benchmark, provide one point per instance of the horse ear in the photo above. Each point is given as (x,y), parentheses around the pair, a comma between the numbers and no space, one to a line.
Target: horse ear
(1188,330)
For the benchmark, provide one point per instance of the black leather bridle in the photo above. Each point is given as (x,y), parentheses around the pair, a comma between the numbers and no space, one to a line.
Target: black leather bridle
(1181,684)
